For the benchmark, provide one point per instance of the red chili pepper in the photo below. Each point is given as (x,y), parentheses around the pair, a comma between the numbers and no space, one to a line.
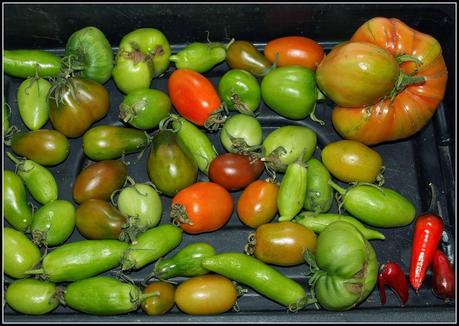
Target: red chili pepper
(427,235)
(392,275)
(443,276)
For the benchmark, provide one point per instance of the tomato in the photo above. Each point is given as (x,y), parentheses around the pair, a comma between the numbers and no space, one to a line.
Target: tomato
(33,102)
(244,55)
(143,54)
(202,207)
(240,91)
(206,295)
(290,91)
(295,51)
(235,171)
(76,105)
(21,254)
(367,73)
(91,50)
(160,303)
(193,96)
(412,106)
(257,205)
(17,211)
(145,108)
(351,161)
(241,133)
(99,180)
(200,57)
(24,63)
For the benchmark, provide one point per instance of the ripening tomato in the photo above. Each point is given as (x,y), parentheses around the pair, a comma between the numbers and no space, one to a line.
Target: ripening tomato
(202,207)
(258,203)
(193,96)
(295,51)
(235,171)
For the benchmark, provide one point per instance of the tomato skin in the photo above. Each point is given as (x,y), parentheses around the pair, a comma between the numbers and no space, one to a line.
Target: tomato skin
(208,206)
(159,305)
(206,295)
(235,171)
(257,205)
(193,95)
(352,161)
(295,51)
(74,114)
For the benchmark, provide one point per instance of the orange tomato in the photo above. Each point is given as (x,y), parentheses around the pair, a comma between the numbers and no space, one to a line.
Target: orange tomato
(295,50)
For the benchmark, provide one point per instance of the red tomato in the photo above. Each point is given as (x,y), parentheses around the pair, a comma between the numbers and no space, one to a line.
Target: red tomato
(193,95)
(235,171)
(202,207)
(258,203)
(295,50)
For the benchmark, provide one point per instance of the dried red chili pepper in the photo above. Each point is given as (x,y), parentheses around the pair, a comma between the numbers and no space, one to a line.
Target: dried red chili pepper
(443,281)
(392,275)
(427,235)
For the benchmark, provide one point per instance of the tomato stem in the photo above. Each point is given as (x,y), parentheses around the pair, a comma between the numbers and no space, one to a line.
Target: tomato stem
(335,186)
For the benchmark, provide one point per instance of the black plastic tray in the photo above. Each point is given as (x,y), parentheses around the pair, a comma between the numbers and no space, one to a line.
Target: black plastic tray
(410,164)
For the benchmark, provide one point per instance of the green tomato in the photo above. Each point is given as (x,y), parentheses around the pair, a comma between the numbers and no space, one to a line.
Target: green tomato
(32,96)
(53,223)
(20,254)
(344,267)
(287,144)
(17,211)
(143,54)
(93,52)
(200,57)
(32,297)
(240,91)
(27,63)
(240,133)
(319,196)
(290,91)
(292,191)
(145,108)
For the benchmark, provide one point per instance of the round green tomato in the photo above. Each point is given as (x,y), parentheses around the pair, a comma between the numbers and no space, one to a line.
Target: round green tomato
(240,132)
(240,91)
(145,108)
(129,76)
(290,91)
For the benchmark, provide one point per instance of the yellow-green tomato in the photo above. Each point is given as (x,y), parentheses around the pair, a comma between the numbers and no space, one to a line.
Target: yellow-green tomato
(21,254)
(352,161)
(206,295)
(160,303)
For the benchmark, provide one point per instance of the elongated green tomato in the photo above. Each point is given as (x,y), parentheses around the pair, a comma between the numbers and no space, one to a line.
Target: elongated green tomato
(103,295)
(98,220)
(287,144)
(53,223)
(91,51)
(17,211)
(142,207)
(344,267)
(291,91)
(244,55)
(193,139)
(186,262)
(377,206)
(150,246)
(200,57)
(39,180)
(161,303)
(281,244)
(318,223)
(20,254)
(170,165)
(79,260)
(32,97)
(292,191)
(352,161)
(206,295)
(111,142)
(99,180)
(240,91)
(262,278)
(145,108)
(143,54)
(44,146)
(319,195)
(241,133)
(23,63)
(32,297)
